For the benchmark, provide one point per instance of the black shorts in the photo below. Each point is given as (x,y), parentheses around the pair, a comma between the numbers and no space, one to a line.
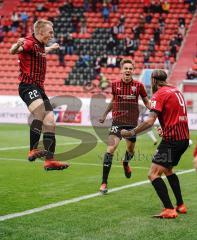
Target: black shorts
(168,154)
(115,130)
(30,93)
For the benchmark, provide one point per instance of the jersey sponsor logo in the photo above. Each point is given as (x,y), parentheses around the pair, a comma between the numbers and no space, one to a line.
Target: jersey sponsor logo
(41,54)
(127,96)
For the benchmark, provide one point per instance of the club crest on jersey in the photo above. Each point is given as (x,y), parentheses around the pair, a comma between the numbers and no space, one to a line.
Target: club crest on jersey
(153,104)
(133,89)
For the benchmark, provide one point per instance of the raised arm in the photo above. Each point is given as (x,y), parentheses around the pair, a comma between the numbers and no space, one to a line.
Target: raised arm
(54,46)
(17,47)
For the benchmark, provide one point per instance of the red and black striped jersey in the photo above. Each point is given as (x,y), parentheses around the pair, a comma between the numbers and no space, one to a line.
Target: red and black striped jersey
(32,62)
(125,109)
(170,106)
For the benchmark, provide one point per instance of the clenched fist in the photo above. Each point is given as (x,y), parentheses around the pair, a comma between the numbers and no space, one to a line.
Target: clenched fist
(20,42)
(126,134)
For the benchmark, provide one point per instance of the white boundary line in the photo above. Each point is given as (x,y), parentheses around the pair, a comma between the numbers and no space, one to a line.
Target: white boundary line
(27,146)
(73,163)
(63,144)
(78,199)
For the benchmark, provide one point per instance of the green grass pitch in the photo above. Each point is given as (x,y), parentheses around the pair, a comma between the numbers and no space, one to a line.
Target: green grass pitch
(121,215)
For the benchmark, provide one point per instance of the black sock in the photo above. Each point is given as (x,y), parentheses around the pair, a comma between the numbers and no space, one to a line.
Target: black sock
(162,192)
(175,185)
(107,166)
(128,156)
(35,132)
(49,142)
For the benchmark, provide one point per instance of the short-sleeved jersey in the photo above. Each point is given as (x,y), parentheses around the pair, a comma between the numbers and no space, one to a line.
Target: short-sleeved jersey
(125,102)
(169,104)
(32,62)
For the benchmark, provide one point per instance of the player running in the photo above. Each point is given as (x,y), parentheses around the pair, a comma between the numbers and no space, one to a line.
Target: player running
(125,114)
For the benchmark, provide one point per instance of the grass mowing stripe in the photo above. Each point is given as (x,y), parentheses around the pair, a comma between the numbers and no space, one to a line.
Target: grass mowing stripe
(78,199)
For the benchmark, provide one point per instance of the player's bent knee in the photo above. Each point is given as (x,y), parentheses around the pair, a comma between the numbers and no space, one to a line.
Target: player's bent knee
(49,119)
(39,115)
(152,177)
(153,174)
(168,172)
(111,149)
(49,123)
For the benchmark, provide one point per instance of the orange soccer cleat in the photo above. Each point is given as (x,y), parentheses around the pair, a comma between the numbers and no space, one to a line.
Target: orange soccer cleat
(167,213)
(127,169)
(52,164)
(36,153)
(103,188)
(181,209)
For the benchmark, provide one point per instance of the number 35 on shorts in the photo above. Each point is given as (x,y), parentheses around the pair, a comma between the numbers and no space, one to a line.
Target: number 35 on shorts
(114,129)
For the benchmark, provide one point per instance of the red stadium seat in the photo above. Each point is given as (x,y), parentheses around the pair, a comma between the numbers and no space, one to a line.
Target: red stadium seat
(131,8)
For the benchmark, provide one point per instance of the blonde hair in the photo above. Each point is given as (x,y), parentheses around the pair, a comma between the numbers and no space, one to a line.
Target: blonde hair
(124,61)
(41,24)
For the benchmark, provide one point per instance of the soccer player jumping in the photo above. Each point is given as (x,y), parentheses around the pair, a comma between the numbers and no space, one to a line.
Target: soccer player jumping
(168,105)
(125,114)
(32,59)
